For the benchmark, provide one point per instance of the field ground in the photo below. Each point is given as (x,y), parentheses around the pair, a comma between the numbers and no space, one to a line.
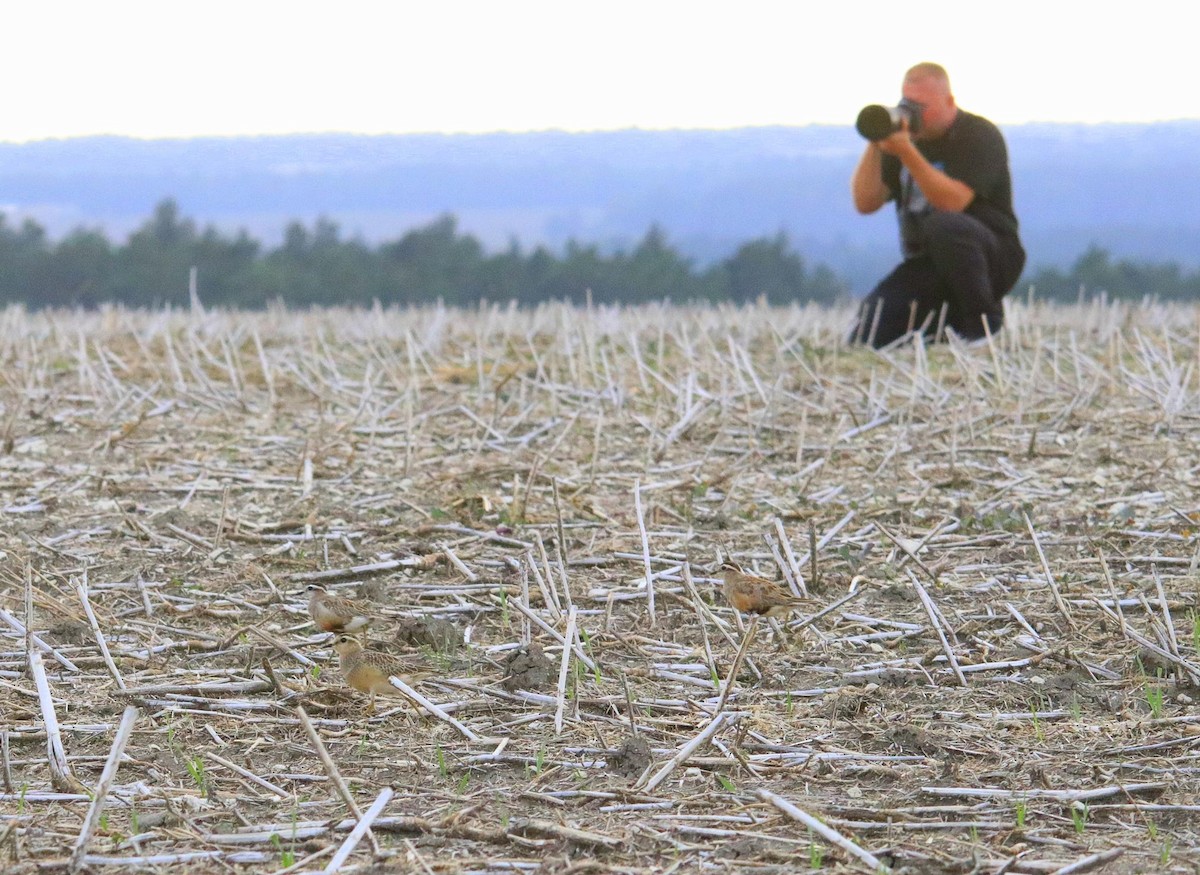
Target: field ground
(1012,687)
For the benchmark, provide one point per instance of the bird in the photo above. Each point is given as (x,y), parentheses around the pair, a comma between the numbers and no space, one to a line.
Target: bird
(366,670)
(751,594)
(335,613)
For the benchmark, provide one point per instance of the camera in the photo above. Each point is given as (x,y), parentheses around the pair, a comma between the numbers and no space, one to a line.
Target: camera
(876,121)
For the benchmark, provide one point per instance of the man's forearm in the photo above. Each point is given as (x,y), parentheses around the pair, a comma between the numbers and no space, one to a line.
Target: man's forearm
(943,192)
(867,183)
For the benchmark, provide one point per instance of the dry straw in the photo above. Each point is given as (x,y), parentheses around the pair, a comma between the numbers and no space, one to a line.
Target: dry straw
(1000,543)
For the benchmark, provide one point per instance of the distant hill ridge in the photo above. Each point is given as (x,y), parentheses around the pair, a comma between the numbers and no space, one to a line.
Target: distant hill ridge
(1132,189)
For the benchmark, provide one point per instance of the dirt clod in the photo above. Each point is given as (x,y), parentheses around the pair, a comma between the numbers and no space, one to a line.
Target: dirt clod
(432,632)
(528,669)
(631,758)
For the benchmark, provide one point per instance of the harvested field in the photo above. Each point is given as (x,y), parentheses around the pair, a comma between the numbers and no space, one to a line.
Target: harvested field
(533,505)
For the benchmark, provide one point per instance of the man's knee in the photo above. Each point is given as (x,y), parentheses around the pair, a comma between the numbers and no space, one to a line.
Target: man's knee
(942,226)
(961,247)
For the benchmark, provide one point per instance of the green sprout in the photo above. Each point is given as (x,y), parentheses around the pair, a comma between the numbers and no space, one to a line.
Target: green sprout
(195,767)
(1155,696)
(1079,816)
(286,857)
(1039,731)
(816,855)
(587,646)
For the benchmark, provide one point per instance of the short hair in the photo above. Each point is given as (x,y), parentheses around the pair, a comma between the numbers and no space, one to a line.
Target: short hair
(929,70)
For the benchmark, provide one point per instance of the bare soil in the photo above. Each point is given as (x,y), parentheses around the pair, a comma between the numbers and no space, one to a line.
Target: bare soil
(1009,685)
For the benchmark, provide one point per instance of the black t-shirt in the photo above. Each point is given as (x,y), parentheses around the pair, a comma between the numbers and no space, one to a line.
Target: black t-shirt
(973,152)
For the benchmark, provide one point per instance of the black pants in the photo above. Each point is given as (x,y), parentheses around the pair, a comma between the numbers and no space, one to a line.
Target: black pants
(964,266)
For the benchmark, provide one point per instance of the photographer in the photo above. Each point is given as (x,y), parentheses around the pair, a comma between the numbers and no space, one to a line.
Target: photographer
(947,171)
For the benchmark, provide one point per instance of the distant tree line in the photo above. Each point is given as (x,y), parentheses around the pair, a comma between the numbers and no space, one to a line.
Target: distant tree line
(317,265)
(1095,271)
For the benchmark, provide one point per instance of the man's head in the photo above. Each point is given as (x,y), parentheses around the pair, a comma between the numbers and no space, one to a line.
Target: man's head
(929,85)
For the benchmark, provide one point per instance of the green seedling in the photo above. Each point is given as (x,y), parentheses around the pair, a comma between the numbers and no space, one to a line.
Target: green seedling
(286,857)
(587,646)
(441,763)
(195,767)
(442,660)
(1155,697)
(816,855)
(1022,808)
(1079,817)
(726,783)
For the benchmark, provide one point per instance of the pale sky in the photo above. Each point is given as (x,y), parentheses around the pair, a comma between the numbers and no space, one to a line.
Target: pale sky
(173,69)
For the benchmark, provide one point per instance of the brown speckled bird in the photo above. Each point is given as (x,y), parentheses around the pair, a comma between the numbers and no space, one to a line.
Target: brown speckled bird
(366,670)
(751,594)
(335,613)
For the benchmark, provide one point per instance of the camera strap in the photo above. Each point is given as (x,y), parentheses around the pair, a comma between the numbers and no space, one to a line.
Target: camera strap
(913,208)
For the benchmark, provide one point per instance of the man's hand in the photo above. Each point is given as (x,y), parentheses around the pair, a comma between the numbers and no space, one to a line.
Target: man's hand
(943,192)
(898,143)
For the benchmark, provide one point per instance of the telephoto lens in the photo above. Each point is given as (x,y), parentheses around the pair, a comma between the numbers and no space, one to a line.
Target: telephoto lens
(877,121)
